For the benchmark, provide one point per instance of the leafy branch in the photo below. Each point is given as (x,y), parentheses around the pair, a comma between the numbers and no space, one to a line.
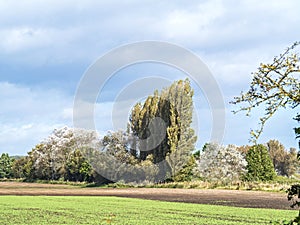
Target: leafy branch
(274,85)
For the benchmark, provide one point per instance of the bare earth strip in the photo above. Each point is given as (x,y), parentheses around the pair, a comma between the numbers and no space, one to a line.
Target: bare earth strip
(252,199)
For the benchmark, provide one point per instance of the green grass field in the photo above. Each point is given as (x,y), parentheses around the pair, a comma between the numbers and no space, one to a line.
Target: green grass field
(114,210)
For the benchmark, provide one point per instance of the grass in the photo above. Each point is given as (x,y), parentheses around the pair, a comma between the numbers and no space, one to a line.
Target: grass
(114,210)
(280,184)
(270,186)
(70,183)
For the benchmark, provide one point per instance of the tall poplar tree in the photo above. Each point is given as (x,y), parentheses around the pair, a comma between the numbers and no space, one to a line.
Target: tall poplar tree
(174,107)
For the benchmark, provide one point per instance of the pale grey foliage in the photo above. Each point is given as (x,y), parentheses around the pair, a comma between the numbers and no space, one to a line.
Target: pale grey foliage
(221,163)
(50,156)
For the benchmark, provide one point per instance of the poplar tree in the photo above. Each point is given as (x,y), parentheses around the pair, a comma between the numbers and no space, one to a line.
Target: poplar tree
(174,107)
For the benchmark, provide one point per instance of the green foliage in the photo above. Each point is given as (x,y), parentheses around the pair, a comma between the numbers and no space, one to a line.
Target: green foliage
(78,168)
(19,168)
(196,154)
(6,166)
(205,146)
(187,172)
(259,164)
(114,210)
(275,85)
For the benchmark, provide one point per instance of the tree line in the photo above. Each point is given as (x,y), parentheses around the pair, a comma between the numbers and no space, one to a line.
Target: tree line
(213,163)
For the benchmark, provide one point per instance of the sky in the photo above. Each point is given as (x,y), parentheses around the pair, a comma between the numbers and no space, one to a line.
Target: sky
(46,48)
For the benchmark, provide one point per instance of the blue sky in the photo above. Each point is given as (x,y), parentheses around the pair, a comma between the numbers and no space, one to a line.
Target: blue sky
(46,47)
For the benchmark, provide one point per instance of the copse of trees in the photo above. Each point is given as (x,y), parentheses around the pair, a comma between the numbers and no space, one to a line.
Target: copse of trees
(58,157)
(249,163)
(285,162)
(159,142)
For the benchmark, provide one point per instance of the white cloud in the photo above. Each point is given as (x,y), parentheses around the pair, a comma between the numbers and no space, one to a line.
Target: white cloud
(19,39)
(29,115)
(80,31)
(31,103)
(230,25)
(182,24)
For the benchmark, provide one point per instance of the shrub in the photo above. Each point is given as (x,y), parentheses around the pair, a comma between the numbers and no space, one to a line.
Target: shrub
(260,166)
(6,166)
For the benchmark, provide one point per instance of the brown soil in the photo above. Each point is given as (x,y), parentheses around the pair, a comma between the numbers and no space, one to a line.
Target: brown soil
(252,199)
